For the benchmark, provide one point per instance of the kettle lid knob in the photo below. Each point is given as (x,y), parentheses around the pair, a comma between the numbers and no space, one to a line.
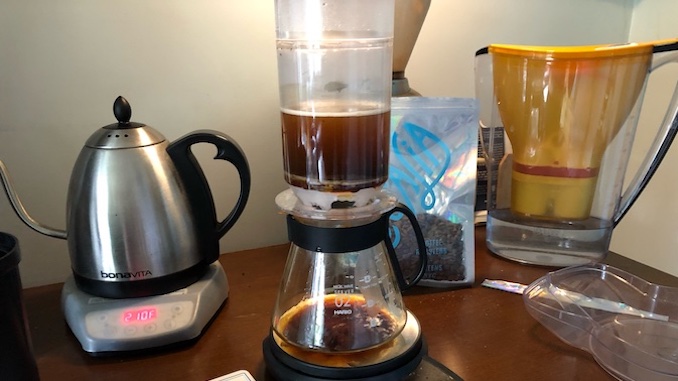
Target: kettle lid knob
(122,111)
(124,134)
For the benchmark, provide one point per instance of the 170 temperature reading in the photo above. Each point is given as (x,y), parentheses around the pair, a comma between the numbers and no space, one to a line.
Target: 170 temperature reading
(140,315)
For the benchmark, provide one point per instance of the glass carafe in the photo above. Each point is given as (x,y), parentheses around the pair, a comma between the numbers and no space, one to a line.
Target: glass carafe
(341,288)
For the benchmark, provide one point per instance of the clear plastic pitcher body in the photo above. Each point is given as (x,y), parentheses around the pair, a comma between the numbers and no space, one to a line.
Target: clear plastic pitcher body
(561,114)
(569,117)
(334,70)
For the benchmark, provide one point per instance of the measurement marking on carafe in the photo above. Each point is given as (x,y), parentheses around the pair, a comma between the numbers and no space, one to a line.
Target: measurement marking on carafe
(338,288)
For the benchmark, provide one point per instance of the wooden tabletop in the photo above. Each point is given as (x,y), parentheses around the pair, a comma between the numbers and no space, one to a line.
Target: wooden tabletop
(479,333)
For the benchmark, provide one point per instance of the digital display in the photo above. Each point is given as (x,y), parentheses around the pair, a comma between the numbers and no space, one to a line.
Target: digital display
(140,315)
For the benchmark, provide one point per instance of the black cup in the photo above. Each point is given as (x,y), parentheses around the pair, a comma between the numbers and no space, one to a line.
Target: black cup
(16,353)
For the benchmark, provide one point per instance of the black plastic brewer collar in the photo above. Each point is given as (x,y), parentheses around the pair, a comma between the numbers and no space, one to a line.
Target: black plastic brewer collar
(337,240)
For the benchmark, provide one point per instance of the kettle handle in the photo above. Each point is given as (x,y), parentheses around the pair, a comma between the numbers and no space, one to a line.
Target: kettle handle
(196,183)
(421,245)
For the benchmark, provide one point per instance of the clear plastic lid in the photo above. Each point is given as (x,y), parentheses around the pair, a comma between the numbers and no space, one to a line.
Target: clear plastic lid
(628,324)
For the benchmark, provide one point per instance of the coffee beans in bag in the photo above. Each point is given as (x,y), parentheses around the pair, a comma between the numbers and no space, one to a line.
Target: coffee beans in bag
(432,170)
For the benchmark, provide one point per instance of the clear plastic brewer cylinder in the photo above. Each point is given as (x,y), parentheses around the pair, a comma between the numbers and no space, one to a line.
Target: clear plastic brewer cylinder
(334,70)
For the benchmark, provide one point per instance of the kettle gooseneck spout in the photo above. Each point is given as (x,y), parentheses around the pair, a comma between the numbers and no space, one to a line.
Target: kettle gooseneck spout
(21,211)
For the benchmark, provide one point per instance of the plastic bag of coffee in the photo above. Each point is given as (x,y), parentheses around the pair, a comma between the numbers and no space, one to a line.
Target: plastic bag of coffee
(432,170)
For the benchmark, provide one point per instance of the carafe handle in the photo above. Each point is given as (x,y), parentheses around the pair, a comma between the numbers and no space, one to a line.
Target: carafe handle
(196,183)
(663,53)
(421,245)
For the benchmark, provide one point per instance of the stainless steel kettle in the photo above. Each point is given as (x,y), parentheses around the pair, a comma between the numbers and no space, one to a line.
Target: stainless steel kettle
(141,218)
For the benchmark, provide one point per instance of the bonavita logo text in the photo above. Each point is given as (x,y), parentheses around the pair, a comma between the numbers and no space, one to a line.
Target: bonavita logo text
(137,274)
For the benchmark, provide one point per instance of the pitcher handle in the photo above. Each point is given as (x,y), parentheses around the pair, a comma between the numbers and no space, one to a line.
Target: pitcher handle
(421,245)
(662,141)
(195,181)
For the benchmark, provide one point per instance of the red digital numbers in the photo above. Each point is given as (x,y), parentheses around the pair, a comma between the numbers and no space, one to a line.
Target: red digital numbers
(139,315)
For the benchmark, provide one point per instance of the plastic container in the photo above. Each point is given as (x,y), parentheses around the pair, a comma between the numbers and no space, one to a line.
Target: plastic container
(334,71)
(628,324)
(16,353)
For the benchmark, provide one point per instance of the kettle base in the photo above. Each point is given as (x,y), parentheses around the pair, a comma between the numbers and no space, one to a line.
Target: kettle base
(117,326)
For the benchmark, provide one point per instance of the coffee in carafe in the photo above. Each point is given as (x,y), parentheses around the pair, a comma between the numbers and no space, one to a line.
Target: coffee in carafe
(349,323)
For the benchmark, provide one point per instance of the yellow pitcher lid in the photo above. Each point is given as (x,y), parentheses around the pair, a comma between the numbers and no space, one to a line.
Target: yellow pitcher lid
(584,51)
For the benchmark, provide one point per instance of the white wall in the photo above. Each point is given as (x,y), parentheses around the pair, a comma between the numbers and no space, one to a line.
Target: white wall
(648,232)
(187,65)
(442,60)
(183,65)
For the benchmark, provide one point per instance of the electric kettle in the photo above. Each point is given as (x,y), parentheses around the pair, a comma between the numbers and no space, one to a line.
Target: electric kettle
(141,219)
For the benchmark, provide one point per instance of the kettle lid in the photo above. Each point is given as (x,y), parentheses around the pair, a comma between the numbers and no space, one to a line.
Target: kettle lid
(124,134)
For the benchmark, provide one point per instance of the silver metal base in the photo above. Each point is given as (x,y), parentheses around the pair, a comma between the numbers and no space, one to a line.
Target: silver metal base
(121,325)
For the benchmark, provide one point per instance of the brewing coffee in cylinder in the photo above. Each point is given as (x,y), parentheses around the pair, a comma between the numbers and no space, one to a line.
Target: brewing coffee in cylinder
(334,67)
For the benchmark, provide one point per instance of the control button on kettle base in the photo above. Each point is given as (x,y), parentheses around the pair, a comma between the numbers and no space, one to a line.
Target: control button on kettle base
(110,330)
(170,324)
(177,309)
